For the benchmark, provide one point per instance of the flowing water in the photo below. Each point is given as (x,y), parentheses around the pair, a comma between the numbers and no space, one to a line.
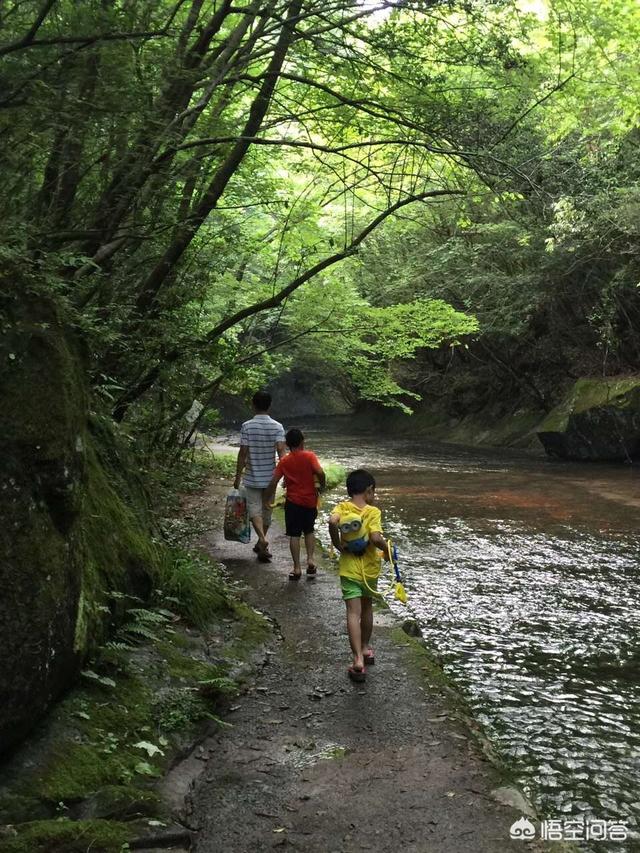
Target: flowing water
(524,575)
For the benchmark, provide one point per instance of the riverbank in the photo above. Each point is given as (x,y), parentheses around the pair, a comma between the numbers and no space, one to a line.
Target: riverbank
(316,763)
(310,761)
(487,428)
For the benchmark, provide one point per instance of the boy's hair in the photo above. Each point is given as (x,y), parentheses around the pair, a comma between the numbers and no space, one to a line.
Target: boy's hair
(294,438)
(359,481)
(261,401)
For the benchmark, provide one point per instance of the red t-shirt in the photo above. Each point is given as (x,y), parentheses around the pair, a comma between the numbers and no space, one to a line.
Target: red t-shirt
(298,468)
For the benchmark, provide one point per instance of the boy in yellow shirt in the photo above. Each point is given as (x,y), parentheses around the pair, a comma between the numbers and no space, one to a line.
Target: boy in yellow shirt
(355,527)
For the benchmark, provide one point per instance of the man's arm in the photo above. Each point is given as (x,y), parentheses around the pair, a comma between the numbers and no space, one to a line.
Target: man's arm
(241,463)
(281,448)
(334,532)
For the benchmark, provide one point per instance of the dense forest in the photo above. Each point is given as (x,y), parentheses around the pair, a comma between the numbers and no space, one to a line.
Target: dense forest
(210,195)
(395,200)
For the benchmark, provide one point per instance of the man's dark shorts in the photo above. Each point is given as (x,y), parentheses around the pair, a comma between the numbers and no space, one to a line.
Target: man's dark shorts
(299,519)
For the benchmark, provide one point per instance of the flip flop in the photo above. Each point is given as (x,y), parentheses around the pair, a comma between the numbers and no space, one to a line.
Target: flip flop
(294,577)
(369,657)
(312,570)
(356,673)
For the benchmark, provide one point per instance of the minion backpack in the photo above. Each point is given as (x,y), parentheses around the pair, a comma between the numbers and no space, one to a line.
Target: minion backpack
(354,538)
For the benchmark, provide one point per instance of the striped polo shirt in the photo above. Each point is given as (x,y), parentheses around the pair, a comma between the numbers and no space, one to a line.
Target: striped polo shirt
(260,435)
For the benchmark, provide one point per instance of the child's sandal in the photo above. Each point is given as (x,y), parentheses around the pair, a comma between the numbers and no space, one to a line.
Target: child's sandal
(356,673)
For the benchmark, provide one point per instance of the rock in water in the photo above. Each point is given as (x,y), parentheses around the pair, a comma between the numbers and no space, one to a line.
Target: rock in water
(599,420)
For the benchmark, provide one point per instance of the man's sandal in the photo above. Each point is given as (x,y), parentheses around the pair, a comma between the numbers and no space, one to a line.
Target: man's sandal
(312,570)
(264,555)
(293,576)
(369,657)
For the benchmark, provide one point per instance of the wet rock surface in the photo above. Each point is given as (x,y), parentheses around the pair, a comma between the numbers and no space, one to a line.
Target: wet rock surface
(316,763)
(599,420)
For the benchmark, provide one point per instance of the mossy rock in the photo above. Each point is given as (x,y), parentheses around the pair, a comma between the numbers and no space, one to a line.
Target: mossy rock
(68,836)
(42,426)
(75,526)
(121,802)
(20,808)
(599,420)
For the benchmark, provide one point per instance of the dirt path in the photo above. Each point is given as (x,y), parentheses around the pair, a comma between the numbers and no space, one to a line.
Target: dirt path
(316,763)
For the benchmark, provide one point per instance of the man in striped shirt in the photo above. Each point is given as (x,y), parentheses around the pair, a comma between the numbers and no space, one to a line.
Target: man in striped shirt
(260,439)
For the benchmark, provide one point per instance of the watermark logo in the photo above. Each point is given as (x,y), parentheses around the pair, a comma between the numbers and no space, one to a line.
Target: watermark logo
(570,829)
(522,829)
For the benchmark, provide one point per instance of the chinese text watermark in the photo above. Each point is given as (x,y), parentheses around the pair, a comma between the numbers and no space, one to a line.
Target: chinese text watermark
(569,829)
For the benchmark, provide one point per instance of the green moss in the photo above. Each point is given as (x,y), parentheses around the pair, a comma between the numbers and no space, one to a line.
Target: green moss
(68,836)
(125,802)
(44,397)
(170,689)
(77,770)
(100,751)
(119,552)
(426,666)
(252,630)
(587,394)
(104,755)
(18,808)
(186,667)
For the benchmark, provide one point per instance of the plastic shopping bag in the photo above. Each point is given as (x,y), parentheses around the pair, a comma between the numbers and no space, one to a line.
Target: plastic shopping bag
(236,518)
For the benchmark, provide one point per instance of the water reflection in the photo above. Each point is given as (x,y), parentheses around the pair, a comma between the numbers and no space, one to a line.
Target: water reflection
(525,577)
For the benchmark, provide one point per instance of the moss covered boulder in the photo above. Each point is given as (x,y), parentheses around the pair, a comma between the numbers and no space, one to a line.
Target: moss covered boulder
(70,529)
(598,420)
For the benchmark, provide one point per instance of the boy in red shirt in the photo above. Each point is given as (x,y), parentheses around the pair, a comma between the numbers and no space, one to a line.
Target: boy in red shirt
(303,476)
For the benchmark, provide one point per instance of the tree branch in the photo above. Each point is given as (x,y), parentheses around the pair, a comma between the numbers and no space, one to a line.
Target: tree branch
(84,40)
(146,381)
(223,175)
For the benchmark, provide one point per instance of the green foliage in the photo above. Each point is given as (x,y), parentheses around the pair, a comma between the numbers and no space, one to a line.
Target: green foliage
(69,836)
(219,463)
(195,586)
(334,472)
(179,708)
(123,160)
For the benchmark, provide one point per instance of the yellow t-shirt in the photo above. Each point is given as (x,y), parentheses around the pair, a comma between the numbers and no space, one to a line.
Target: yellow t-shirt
(351,565)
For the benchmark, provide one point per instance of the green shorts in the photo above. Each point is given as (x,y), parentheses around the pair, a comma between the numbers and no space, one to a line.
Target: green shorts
(357,589)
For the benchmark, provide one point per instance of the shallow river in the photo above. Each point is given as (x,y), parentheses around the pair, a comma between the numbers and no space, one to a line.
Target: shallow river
(524,574)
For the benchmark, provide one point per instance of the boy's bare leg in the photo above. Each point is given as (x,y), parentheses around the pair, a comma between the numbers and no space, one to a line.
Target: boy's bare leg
(366,623)
(294,547)
(309,544)
(354,611)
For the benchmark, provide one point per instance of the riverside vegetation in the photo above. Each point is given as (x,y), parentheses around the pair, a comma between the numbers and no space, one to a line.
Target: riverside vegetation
(391,202)
(149,691)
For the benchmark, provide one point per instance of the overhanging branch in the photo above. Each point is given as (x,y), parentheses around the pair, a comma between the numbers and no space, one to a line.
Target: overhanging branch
(147,380)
